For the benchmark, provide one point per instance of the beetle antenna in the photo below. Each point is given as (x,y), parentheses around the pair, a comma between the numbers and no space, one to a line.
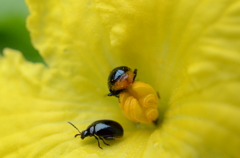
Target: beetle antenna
(74,127)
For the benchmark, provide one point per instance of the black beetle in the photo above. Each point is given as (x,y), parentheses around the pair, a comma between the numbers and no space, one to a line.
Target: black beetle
(102,129)
(119,79)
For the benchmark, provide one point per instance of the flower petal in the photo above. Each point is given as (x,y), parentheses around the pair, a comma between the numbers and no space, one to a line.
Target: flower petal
(35,106)
(184,47)
(203,113)
(72,31)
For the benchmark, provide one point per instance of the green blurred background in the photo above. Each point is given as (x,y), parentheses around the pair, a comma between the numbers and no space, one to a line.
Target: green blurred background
(13,31)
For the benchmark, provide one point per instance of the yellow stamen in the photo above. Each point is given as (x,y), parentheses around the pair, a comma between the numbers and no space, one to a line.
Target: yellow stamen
(139,103)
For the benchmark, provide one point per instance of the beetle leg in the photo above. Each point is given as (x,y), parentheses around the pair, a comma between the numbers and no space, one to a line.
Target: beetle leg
(77,135)
(155,121)
(135,72)
(98,142)
(110,94)
(103,141)
(158,95)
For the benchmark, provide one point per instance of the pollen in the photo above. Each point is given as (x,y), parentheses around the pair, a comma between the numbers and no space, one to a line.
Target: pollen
(139,103)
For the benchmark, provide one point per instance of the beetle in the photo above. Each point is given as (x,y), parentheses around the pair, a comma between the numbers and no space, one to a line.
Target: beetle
(119,79)
(101,129)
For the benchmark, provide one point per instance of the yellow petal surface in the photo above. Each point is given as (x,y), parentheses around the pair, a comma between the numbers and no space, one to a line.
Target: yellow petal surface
(35,108)
(188,51)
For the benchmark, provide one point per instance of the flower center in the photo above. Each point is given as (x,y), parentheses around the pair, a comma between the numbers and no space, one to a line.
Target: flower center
(139,103)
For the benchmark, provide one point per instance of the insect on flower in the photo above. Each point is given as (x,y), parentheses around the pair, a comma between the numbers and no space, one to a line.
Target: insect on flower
(137,100)
(101,129)
(119,79)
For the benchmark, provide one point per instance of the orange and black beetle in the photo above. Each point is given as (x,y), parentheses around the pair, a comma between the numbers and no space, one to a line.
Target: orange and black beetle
(119,79)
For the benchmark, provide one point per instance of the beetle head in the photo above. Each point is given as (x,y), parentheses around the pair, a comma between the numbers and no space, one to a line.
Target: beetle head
(84,134)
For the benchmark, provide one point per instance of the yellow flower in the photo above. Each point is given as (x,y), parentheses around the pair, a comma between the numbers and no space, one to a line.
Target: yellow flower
(188,51)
